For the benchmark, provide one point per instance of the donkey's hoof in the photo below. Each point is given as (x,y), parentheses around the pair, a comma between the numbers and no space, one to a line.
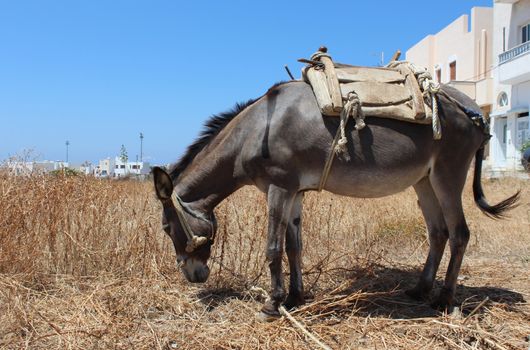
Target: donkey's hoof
(265,317)
(442,304)
(269,312)
(444,301)
(293,302)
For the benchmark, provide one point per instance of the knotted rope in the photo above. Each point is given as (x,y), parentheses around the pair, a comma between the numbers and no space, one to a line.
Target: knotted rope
(432,88)
(352,107)
(317,55)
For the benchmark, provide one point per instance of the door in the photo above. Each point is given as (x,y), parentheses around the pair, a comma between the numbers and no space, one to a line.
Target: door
(523,134)
(501,131)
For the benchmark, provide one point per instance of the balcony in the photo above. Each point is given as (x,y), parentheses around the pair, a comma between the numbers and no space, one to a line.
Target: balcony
(515,52)
(514,64)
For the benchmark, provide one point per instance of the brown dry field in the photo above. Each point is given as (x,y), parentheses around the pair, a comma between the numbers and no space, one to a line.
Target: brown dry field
(84,264)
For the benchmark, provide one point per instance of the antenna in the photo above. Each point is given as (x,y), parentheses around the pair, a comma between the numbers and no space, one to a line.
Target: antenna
(141,147)
(67,143)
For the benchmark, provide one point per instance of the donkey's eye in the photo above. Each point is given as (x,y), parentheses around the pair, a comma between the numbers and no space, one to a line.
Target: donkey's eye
(165,227)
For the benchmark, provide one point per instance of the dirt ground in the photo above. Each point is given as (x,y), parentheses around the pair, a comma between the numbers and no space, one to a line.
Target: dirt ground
(84,264)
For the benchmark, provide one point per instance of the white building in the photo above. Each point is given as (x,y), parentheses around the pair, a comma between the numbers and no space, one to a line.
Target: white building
(84,168)
(34,167)
(510,126)
(105,168)
(116,167)
(139,168)
(122,168)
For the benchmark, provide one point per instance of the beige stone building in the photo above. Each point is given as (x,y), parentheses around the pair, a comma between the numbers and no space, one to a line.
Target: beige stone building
(461,55)
(487,56)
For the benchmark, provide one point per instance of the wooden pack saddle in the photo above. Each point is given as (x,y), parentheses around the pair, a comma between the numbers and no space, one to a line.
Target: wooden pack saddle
(388,92)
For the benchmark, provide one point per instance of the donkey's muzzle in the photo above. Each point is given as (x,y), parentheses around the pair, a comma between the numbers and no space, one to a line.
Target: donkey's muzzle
(195,271)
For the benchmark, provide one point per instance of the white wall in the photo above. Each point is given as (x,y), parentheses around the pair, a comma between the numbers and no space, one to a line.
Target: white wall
(510,17)
(521,94)
(519,17)
(127,168)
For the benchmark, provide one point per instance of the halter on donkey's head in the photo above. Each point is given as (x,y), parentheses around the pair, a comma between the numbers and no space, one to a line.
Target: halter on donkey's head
(194,241)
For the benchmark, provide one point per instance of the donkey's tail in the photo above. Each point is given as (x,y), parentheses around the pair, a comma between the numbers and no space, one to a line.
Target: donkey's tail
(497,211)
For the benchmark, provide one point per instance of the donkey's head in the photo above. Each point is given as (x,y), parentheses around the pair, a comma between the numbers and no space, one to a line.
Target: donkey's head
(191,231)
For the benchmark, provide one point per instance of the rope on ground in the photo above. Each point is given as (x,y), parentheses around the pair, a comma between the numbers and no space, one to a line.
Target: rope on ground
(302,329)
(260,291)
(481,304)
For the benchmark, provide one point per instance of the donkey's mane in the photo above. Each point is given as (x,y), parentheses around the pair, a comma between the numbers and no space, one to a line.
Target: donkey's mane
(212,127)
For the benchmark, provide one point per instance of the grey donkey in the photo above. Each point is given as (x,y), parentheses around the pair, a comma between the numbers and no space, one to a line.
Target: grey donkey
(280,142)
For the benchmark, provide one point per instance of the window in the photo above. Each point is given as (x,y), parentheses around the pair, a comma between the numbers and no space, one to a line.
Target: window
(503,99)
(525,33)
(452,71)
(523,129)
(117,166)
(122,166)
(503,39)
(438,73)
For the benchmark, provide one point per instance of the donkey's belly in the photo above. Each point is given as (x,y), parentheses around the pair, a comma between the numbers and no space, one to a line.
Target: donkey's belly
(368,184)
(357,179)
(385,158)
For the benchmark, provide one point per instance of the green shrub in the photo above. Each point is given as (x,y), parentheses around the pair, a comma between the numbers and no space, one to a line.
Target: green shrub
(65,172)
(525,146)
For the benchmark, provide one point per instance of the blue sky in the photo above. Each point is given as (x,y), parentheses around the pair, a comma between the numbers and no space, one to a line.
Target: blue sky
(97,73)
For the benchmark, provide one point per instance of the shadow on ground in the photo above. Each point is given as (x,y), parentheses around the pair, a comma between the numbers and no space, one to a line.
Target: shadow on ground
(393,303)
(383,289)
(215,297)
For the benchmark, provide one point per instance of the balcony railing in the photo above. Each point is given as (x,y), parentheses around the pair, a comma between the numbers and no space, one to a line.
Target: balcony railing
(516,51)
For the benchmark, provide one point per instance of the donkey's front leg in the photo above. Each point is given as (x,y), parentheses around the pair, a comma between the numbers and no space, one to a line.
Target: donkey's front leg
(293,248)
(280,202)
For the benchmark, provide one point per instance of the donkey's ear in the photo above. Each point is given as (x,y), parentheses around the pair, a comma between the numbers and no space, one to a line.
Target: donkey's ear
(163,183)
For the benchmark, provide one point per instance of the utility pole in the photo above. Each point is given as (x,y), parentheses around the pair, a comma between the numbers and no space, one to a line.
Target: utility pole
(67,143)
(141,147)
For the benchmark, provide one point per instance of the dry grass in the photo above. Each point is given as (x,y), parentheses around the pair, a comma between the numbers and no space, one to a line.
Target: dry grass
(84,264)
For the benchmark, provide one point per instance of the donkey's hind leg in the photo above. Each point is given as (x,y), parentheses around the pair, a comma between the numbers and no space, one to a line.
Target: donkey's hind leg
(293,247)
(438,235)
(448,188)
